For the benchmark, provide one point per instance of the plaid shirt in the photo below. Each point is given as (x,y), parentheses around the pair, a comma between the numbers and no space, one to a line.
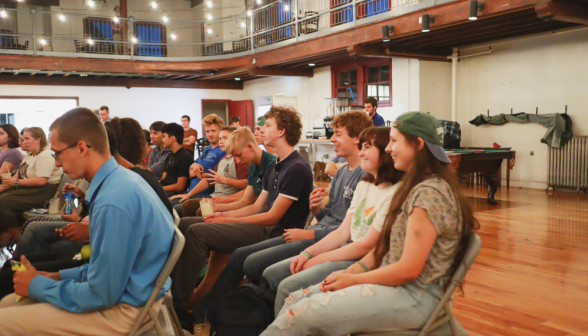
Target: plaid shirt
(451,129)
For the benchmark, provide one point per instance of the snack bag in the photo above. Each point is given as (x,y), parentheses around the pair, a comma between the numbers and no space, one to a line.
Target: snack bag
(17,266)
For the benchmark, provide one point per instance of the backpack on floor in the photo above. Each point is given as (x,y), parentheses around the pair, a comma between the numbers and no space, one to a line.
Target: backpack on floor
(245,311)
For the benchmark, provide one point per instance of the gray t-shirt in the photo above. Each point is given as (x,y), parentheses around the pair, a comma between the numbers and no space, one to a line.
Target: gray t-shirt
(342,189)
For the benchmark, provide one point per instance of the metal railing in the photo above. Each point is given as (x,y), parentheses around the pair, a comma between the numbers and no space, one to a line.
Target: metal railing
(30,30)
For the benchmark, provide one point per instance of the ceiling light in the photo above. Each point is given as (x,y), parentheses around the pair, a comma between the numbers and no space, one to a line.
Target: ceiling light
(249,13)
(243,24)
(62,17)
(425,21)
(286,8)
(209,31)
(475,7)
(134,39)
(209,4)
(174,36)
(311,64)
(91,4)
(259,2)
(165,19)
(43,42)
(209,17)
(154,5)
(20,0)
(90,42)
(116,19)
(3,14)
(237,79)
(386,32)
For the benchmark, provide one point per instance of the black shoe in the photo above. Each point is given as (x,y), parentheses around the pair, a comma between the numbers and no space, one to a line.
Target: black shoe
(186,320)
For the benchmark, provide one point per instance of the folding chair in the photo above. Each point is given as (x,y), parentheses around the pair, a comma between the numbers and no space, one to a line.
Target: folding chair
(176,218)
(176,250)
(437,324)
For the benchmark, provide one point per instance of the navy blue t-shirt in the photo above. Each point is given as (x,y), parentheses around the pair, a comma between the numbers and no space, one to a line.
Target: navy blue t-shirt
(291,178)
(378,120)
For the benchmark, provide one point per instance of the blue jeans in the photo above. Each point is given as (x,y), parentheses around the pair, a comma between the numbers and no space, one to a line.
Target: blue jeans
(278,276)
(359,308)
(40,237)
(251,261)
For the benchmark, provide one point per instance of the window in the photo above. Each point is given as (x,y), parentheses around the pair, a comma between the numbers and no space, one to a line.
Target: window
(363,78)
(378,82)
(150,32)
(6,118)
(347,85)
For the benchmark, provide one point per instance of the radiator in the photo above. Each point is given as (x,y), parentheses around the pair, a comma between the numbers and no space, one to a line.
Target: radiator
(568,165)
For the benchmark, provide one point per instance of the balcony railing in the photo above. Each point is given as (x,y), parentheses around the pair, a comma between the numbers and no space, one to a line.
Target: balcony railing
(31,31)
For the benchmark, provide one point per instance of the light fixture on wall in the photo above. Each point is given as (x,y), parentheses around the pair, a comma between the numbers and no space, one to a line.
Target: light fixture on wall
(386,32)
(259,2)
(43,42)
(286,7)
(173,36)
(165,19)
(209,17)
(249,13)
(3,14)
(116,19)
(90,42)
(475,7)
(209,31)
(425,21)
(243,24)
(20,0)
(209,4)
(154,5)
(61,17)
(91,4)
(134,39)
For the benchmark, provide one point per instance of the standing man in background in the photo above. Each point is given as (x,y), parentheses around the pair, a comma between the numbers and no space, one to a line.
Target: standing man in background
(190,134)
(235,122)
(370,104)
(116,32)
(104,114)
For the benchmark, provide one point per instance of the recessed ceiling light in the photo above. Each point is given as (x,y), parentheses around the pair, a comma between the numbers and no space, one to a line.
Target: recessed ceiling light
(43,42)
(91,4)
(243,24)
(90,42)
(154,5)
(249,13)
(165,19)
(174,36)
(237,79)
(134,39)
(62,17)
(209,4)
(116,19)
(311,64)
(209,17)
(286,8)
(209,31)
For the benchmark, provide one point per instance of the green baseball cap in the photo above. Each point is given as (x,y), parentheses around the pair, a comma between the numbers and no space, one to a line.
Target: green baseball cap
(427,127)
(261,121)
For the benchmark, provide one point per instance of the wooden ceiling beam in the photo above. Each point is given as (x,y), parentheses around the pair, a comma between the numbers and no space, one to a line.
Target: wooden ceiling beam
(376,51)
(280,72)
(118,82)
(566,12)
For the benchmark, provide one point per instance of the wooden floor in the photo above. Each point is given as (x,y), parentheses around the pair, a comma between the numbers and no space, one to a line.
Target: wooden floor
(531,276)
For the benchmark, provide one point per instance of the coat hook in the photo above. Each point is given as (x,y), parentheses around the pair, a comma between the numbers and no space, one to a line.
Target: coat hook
(537,110)
(488,113)
(566,109)
(511,110)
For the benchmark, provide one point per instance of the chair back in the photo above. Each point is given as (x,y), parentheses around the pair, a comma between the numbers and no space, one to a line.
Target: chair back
(175,251)
(176,217)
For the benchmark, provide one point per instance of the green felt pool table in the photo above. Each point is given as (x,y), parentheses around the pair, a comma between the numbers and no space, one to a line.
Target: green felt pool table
(480,160)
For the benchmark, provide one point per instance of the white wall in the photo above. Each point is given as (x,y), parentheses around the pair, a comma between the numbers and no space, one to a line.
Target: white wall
(435,88)
(405,88)
(146,105)
(548,72)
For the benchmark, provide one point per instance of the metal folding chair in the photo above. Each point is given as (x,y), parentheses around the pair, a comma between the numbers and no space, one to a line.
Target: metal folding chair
(176,250)
(438,325)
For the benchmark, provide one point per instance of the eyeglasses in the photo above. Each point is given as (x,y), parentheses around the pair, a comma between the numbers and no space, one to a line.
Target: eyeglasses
(58,153)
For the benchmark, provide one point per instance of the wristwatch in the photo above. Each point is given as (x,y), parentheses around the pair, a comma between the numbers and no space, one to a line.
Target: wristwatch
(16,184)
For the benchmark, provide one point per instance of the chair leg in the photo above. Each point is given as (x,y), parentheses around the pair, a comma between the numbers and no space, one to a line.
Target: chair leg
(156,324)
(452,323)
(168,304)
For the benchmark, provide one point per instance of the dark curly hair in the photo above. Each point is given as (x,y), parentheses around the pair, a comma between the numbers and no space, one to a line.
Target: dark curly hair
(130,138)
(287,119)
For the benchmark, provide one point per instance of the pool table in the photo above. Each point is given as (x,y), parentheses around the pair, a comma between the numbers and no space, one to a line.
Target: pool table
(485,161)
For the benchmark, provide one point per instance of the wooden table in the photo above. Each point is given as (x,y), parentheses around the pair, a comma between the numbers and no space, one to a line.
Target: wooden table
(485,161)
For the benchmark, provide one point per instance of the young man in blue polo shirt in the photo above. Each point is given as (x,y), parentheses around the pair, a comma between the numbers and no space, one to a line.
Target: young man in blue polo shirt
(370,104)
(282,204)
(130,245)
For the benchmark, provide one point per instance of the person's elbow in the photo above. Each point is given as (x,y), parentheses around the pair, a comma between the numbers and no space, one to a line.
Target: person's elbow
(411,271)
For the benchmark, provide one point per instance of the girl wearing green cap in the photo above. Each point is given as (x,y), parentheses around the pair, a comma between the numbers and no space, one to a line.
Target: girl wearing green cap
(398,284)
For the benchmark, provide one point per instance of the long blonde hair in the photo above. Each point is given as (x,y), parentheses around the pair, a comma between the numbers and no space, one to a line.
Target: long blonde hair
(38,133)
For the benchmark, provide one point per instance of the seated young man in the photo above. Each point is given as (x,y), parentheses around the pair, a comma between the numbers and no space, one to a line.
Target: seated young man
(130,245)
(259,137)
(228,178)
(176,173)
(159,155)
(210,156)
(283,204)
(252,260)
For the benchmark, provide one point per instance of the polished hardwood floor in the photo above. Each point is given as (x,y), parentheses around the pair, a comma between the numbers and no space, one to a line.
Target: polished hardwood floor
(531,276)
